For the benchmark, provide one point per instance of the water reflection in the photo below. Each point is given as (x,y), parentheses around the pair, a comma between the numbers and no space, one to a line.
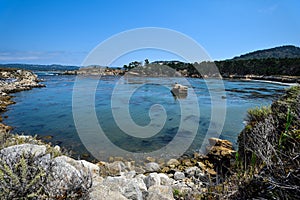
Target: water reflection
(178,95)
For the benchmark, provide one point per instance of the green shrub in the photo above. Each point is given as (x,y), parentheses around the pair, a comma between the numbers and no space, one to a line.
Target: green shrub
(22,178)
(30,176)
(258,114)
(271,147)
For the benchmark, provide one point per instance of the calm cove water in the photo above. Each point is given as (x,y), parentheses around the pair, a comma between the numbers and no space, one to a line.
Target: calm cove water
(48,111)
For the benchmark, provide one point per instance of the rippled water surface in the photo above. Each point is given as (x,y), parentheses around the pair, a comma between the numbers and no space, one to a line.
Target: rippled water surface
(48,111)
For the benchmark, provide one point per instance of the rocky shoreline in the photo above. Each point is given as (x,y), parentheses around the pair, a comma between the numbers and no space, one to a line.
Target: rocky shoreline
(11,81)
(95,71)
(102,71)
(183,178)
(30,168)
(117,179)
(281,79)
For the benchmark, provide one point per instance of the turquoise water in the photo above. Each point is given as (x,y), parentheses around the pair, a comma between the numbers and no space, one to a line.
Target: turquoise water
(48,111)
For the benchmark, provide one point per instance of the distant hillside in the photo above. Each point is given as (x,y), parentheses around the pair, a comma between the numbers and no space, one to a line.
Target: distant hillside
(288,51)
(36,67)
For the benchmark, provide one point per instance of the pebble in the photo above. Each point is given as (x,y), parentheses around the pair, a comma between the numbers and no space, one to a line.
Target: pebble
(179,176)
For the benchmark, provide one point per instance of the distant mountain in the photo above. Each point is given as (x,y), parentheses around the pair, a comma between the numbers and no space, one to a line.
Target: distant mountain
(36,67)
(287,51)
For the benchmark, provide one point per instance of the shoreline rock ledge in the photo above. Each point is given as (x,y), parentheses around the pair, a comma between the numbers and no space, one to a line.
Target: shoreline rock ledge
(67,178)
(15,80)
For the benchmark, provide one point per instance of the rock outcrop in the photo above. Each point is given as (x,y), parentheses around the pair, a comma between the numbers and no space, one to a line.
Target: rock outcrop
(15,80)
(96,71)
(118,179)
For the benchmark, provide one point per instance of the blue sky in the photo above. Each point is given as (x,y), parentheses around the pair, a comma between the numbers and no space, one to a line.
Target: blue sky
(65,31)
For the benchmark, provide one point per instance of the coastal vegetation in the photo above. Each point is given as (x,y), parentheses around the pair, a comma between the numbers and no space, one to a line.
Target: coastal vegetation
(31,169)
(275,64)
(265,165)
(265,67)
(268,157)
(286,51)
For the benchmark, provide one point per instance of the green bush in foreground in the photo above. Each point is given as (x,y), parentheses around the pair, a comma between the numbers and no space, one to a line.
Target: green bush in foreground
(22,178)
(38,177)
(269,150)
(258,113)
